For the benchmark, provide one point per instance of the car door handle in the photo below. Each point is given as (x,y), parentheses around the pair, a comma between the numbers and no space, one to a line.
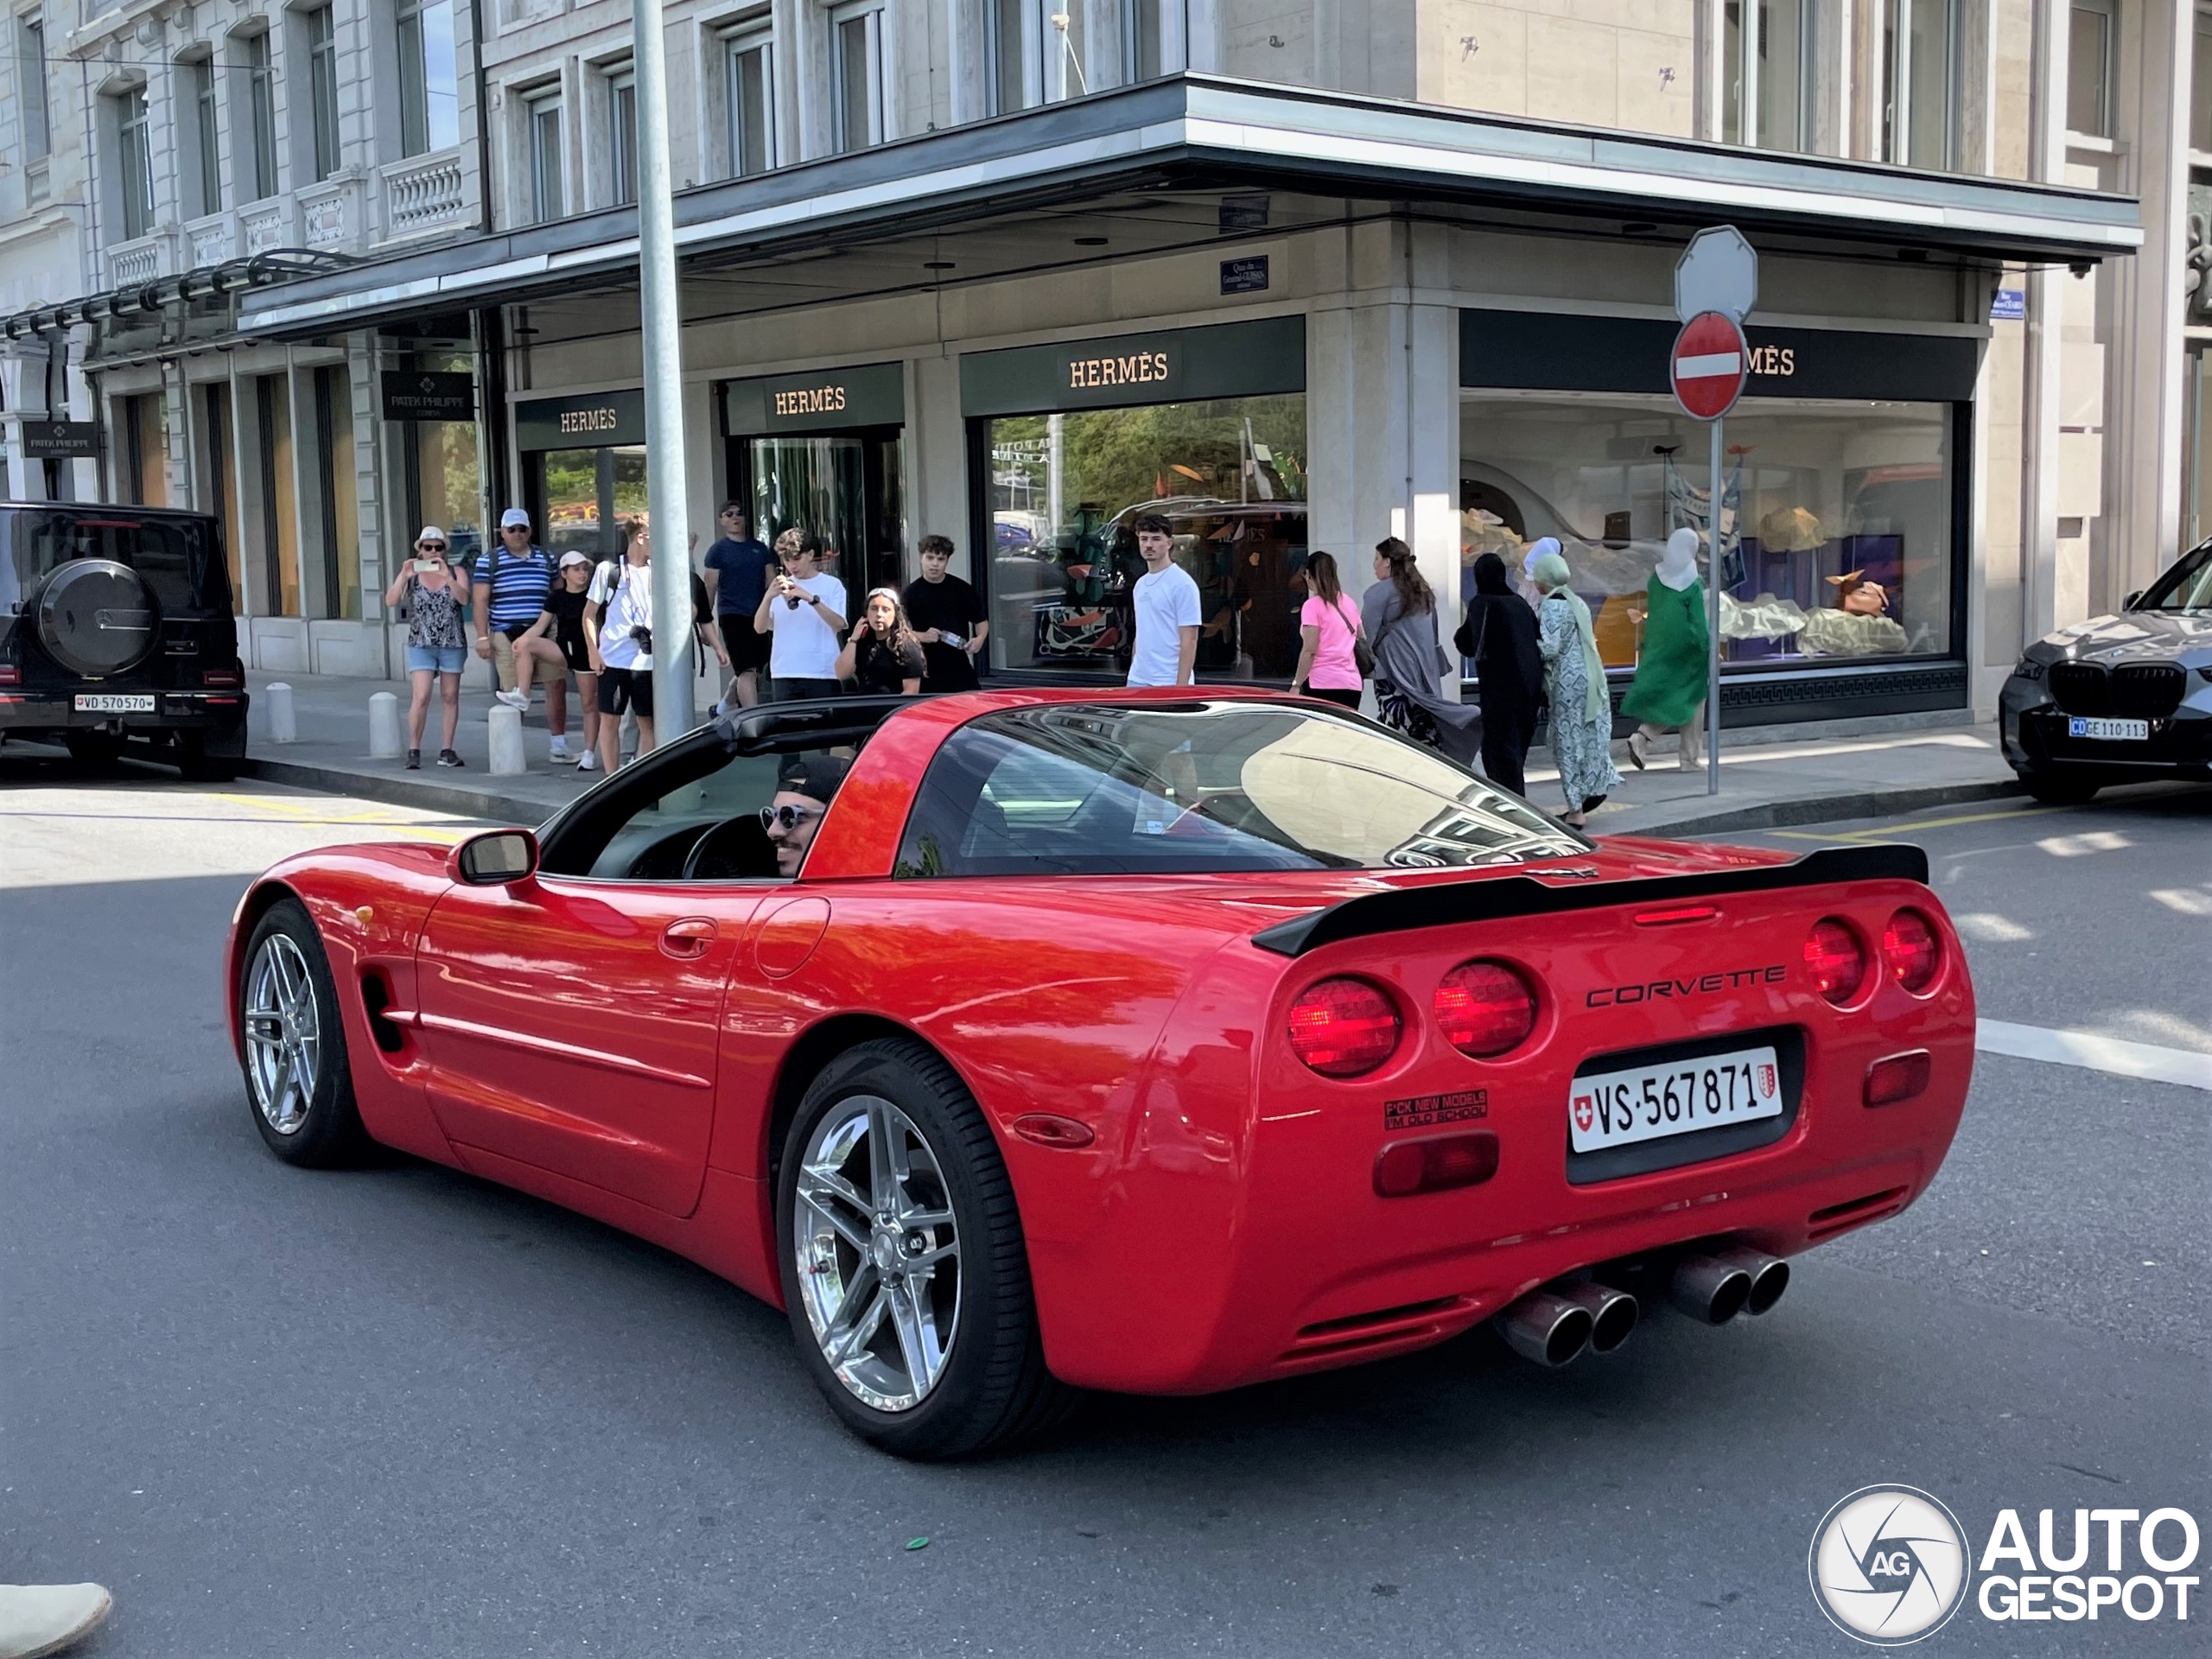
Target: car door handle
(688,938)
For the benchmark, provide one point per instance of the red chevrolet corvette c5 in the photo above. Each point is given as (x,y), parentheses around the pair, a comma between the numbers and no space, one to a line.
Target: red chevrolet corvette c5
(1021,1042)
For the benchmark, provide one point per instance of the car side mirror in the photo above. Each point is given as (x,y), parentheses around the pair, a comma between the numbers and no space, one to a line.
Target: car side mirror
(496,858)
(2128,604)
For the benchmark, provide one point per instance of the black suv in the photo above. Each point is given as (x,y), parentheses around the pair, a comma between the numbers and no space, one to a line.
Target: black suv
(116,628)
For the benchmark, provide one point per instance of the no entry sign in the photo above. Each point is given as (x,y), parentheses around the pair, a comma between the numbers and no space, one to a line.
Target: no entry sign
(1709,365)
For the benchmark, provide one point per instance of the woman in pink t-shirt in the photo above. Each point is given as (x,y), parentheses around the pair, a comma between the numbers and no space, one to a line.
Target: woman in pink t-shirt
(1328,622)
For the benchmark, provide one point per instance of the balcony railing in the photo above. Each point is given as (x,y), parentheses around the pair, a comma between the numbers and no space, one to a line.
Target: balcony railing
(425,192)
(208,240)
(264,226)
(330,214)
(137,261)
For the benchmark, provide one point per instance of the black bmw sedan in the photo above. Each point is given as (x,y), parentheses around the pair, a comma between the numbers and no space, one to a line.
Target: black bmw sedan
(2118,699)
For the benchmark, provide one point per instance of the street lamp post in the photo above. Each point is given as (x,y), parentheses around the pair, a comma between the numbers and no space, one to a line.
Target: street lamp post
(675,652)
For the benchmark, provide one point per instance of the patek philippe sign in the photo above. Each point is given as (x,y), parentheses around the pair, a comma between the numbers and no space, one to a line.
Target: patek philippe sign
(60,439)
(1236,360)
(412,396)
(591,421)
(818,400)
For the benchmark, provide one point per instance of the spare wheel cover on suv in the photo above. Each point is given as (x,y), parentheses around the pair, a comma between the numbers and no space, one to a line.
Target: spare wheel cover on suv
(95,617)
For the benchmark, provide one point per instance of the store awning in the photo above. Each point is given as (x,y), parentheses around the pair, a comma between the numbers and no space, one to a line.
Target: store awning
(1195,132)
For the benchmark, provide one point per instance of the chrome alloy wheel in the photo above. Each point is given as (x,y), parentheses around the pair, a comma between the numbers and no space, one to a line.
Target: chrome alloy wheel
(879,1265)
(284,1035)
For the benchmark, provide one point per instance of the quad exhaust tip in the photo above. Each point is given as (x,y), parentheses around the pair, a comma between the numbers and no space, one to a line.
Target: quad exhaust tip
(1557,1324)
(1714,1289)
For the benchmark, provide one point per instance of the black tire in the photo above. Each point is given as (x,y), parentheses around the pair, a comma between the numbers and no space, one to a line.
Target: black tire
(318,1127)
(994,1388)
(90,746)
(196,766)
(2060,786)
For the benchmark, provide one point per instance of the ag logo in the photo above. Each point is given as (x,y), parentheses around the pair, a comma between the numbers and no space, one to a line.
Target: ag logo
(1889,1565)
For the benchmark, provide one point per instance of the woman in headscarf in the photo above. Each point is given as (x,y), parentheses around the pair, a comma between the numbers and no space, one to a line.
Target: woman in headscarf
(1499,635)
(1399,612)
(1574,677)
(1670,688)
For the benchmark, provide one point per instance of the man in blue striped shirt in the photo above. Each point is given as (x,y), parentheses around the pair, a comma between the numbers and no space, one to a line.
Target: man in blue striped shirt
(512,579)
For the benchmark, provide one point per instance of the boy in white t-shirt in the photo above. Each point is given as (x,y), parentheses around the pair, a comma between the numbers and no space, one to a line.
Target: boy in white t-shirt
(1167,652)
(803,611)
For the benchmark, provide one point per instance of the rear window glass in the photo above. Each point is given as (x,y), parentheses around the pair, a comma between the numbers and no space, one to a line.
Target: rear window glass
(177,557)
(1176,788)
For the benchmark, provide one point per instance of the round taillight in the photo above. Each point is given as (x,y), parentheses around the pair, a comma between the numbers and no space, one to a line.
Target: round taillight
(1912,949)
(1836,960)
(1344,1027)
(1485,1009)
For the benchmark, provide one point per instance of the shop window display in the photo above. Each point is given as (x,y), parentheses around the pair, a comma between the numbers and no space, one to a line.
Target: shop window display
(1066,490)
(1835,518)
(587,493)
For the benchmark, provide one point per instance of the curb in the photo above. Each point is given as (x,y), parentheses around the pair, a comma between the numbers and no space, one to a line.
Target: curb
(421,794)
(1827,809)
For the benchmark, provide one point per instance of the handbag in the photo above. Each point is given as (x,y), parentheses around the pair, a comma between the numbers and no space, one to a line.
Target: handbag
(1363,654)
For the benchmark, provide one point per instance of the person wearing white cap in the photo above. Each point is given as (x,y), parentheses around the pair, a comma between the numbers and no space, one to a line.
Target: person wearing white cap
(436,595)
(560,627)
(38,1619)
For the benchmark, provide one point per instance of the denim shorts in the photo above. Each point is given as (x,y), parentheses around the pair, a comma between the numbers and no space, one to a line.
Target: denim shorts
(436,659)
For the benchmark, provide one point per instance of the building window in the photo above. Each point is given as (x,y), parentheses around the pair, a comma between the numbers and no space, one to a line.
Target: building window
(2200,80)
(622,136)
(205,137)
(144,421)
(333,413)
(1227,474)
(135,163)
(1144,32)
(2088,69)
(1920,58)
(542,128)
(430,81)
(1067,72)
(322,88)
(261,98)
(856,72)
(30,82)
(1770,71)
(751,107)
(280,547)
(1006,61)
(442,479)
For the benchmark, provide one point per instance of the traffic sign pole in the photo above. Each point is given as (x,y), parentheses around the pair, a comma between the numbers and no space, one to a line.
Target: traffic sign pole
(1712,627)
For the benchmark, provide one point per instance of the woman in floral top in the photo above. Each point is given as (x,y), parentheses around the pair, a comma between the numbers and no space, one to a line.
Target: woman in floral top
(436,594)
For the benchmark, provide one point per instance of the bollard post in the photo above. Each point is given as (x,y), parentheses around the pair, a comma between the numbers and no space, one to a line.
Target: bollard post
(283,720)
(508,757)
(384,727)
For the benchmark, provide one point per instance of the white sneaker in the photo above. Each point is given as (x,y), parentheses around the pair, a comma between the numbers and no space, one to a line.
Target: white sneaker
(41,1618)
(560,749)
(589,763)
(513,699)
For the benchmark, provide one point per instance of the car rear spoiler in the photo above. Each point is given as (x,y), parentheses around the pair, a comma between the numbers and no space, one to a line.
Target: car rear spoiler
(1500,898)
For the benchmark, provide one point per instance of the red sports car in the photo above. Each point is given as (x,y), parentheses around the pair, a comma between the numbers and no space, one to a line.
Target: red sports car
(1021,1042)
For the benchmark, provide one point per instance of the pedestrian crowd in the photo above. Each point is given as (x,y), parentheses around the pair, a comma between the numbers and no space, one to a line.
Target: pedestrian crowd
(783,626)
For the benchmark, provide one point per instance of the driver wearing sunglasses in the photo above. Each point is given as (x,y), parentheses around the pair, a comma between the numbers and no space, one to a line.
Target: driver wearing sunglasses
(805,787)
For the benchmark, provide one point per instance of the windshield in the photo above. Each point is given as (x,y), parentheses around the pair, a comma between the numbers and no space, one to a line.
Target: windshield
(2187,587)
(178,554)
(1184,788)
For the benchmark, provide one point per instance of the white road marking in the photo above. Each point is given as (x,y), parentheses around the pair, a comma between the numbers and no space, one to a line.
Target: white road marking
(2087,1049)
(2183,900)
(1990,927)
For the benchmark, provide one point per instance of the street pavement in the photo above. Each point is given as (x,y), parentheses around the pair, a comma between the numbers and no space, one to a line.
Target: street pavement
(400,1411)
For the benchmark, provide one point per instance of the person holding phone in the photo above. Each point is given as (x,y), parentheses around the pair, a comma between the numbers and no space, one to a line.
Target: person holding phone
(882,656)
(805,610)
(436,595)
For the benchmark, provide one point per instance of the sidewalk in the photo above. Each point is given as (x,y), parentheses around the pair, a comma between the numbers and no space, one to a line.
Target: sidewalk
(1769,782)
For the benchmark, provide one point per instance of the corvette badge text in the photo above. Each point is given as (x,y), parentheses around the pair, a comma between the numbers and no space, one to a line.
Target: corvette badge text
(1890,1565)
(1728,979)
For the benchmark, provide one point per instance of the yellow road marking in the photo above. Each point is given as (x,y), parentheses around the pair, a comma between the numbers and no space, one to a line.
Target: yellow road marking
(1887,830)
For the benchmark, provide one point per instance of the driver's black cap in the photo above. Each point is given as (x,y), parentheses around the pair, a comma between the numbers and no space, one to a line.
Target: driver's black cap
(817,776)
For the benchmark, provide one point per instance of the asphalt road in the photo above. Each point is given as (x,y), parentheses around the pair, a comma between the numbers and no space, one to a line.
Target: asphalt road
(399,1411)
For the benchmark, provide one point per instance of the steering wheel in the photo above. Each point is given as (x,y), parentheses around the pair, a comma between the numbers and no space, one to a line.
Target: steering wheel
(707,861)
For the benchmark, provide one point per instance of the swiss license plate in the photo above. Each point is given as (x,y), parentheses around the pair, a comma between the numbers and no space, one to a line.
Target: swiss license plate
(1648,1102)
(2110,731)
(115,702)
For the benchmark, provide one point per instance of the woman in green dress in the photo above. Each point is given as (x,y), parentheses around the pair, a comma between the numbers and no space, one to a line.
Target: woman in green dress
(1668,692)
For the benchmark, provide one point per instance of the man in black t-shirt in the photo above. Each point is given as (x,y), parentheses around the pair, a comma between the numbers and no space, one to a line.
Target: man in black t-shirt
(947,617)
